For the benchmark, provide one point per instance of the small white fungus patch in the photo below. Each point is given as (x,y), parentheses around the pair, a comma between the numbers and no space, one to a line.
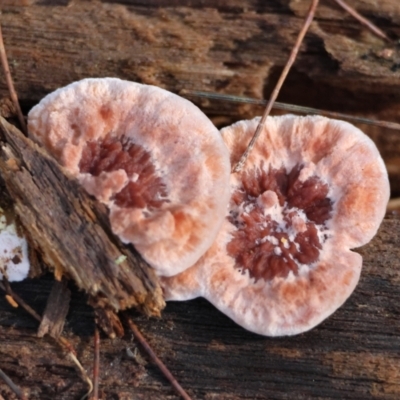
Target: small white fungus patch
(14,259)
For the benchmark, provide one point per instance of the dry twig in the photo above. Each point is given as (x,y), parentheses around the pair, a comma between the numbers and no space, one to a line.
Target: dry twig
(10,84)
(12,386)
(364,21)
(96,365)
(163,368)
(275,92)
(292,107)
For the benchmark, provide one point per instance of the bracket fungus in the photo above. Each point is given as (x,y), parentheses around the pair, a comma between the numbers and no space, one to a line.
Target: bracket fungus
(151,156)
(311,190)
(14,255)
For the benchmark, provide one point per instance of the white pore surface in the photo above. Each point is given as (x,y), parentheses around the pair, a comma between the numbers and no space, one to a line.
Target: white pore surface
(14,260)
(349,162)
(186,149)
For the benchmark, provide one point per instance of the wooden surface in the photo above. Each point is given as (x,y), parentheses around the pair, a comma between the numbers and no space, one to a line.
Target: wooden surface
(235,47)
(226,46)
(355,354)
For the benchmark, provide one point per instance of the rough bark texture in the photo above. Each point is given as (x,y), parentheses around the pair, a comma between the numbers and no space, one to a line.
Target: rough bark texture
(71,231)
(236,47)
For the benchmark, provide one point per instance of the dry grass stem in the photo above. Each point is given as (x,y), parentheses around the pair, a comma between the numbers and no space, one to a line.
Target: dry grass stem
(5,286)
(291,107)
(96,365)
(394,204)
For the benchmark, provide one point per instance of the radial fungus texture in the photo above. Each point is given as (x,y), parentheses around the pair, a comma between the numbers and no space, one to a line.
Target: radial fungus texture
(152,157)
(311,190)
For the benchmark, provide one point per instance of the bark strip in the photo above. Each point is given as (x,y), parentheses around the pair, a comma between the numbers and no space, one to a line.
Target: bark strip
(71,231)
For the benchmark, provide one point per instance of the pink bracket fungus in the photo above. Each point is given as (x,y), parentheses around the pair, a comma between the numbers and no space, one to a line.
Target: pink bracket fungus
(151,156)
(311,190)
(14,257)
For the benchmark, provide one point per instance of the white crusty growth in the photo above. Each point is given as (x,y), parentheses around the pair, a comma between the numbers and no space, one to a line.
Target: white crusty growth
(311,190)
(152,157)
(14,259)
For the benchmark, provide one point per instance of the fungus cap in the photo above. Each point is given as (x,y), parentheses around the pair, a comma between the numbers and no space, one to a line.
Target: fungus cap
(311,189)
(14,257)
(152,157)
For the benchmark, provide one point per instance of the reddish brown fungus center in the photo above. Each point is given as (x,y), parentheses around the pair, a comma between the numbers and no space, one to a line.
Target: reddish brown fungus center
(281,221)
(113,153)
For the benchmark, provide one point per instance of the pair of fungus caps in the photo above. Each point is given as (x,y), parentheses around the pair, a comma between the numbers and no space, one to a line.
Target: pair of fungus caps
(269,246)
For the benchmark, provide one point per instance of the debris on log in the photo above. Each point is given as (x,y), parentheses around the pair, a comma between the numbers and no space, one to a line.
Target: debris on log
(56,310)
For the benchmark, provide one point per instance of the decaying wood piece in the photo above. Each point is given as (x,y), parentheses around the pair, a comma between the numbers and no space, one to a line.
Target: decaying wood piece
(71,231)
(193,44)
(106,318)
(56,310)
(232,47)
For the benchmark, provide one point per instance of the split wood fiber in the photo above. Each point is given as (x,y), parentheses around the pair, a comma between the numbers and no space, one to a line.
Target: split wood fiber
(71,231)
(56,310)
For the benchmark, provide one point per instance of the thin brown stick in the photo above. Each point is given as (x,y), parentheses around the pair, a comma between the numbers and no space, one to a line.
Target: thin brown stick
(12,386)
(364,21)
(10,84)
(68,346)
(291,107)
(5,286)
(139,337)
(275,92)
(96,364)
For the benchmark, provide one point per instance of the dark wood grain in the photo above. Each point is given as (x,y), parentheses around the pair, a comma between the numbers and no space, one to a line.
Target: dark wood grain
(235,47)
(355,354)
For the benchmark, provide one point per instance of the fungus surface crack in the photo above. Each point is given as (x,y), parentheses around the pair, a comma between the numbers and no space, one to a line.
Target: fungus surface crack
(113,153)
(281,220)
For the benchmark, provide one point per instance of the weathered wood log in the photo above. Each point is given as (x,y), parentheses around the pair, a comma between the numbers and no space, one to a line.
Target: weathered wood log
(236,47)
(196,44)
(354,354)
(71,231)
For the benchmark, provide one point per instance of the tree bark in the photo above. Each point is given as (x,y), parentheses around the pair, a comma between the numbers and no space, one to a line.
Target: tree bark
(71,231)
